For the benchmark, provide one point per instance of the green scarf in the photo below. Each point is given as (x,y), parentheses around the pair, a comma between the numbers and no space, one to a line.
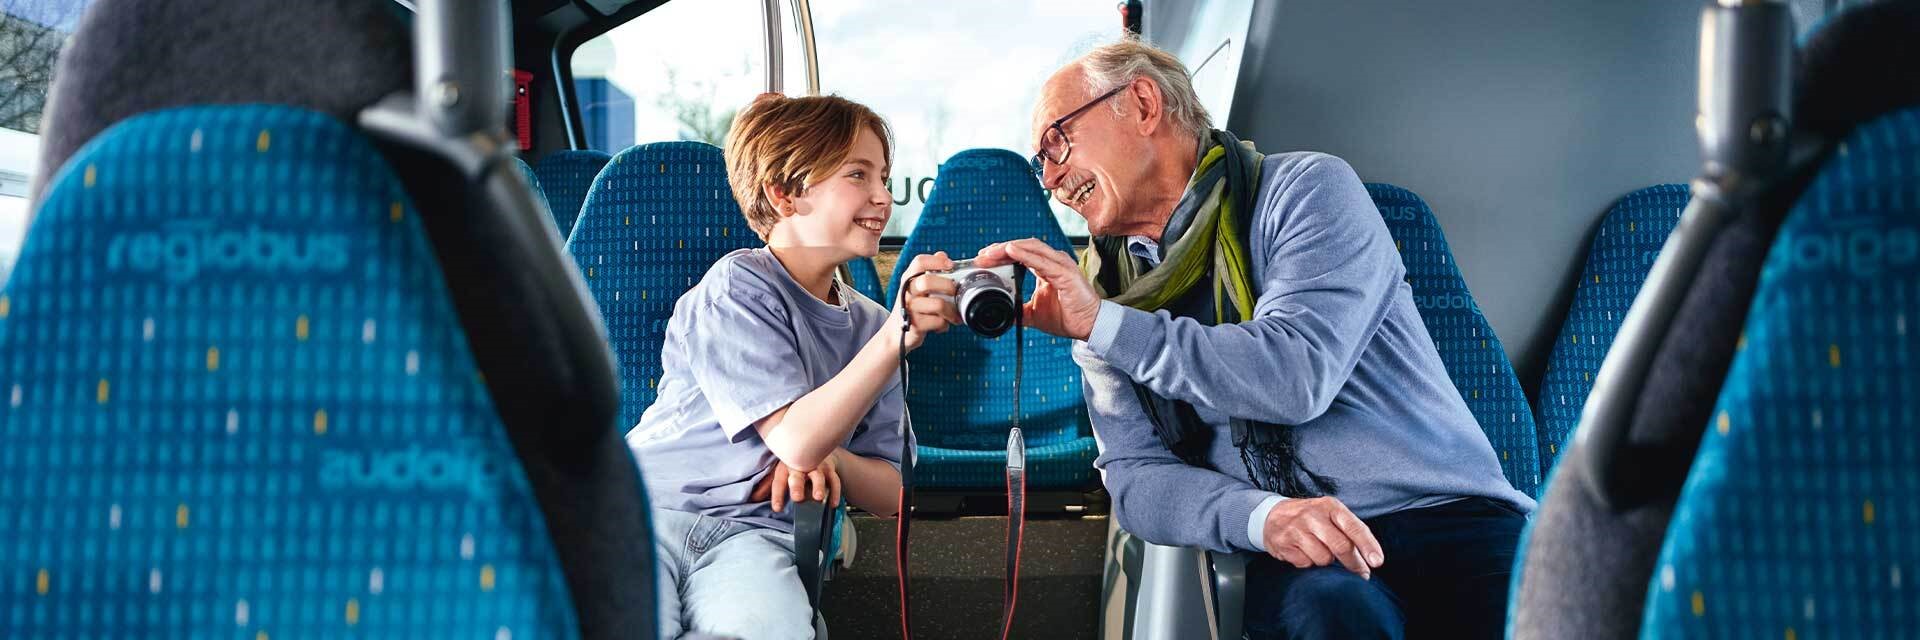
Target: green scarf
(1214,249)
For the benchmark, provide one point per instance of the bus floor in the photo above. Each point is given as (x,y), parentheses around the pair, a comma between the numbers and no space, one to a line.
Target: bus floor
(959,577)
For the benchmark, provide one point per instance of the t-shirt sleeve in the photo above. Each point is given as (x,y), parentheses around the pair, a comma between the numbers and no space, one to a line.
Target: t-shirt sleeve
(742,354)
(878,435)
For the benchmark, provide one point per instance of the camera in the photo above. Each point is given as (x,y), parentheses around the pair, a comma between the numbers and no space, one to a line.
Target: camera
(985,297)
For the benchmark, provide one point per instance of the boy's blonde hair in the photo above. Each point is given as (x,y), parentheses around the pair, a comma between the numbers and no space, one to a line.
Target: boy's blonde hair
(792,143)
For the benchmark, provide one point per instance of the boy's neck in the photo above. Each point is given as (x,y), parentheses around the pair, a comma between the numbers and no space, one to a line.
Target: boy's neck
(813,269)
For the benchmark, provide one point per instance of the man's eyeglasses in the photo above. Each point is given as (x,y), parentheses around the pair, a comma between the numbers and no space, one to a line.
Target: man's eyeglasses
(1054,145)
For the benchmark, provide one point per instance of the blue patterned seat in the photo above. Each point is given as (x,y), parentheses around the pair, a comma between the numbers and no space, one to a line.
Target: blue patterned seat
(533,180)
(655,220)
(1798,517)
(239,401)
(959,393)
(1468,348)
(866,280)
(1622,253)
(565,177)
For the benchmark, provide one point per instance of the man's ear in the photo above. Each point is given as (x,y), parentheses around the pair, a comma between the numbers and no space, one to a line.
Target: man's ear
(1149,112)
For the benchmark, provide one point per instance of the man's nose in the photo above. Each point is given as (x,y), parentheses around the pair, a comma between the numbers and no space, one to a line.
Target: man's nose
(1051,174)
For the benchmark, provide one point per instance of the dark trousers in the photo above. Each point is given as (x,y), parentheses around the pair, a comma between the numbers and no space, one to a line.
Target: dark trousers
(1446,575)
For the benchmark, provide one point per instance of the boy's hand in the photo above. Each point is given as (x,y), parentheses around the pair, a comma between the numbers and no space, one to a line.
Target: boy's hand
(822,483)
(927,300)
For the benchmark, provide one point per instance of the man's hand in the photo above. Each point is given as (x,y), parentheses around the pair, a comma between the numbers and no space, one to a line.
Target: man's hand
(822,483)
(1064,303)
(1315,532)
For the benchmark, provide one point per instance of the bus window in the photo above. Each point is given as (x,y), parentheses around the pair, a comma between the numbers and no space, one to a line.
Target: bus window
(952,76)
(677,72)
(31,32)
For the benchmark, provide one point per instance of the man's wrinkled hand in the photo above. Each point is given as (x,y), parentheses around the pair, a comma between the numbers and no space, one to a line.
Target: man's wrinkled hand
(1063,304)
(1316,532)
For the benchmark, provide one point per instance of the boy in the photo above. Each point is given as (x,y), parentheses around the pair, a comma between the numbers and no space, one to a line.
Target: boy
(780,381)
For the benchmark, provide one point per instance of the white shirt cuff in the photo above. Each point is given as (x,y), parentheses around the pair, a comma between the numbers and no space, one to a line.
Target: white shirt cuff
(1106,325)
(1257,521)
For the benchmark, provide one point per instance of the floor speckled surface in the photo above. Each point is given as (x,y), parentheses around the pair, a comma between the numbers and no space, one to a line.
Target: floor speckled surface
(958,577)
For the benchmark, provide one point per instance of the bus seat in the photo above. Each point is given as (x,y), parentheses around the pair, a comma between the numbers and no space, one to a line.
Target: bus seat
(533,182)
(1799,513)
(960,387)
(181,433)
(1472,354)
(1593,569)
(657,217)
(565,177)
(260,405)
(1629,238)
(866,280)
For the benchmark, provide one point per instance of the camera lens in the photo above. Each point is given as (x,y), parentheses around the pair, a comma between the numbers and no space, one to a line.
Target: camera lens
(990,313)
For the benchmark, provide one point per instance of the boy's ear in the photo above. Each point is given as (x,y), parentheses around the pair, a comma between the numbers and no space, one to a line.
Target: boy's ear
(782,201)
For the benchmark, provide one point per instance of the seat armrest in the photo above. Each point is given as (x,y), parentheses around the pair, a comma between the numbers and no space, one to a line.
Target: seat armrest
(810,530)
(1229,591)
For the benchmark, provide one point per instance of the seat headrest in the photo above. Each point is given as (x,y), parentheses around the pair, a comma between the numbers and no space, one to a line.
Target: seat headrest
(128,57)
(1859,64)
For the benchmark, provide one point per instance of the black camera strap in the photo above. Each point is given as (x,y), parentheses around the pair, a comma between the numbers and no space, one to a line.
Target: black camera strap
(903,524)
(1016,467)
(1016,458)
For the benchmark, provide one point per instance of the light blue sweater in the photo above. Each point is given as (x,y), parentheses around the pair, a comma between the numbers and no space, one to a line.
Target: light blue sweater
(1336,348)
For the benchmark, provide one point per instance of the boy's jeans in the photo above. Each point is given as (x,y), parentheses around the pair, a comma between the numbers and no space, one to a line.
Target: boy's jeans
(729,579)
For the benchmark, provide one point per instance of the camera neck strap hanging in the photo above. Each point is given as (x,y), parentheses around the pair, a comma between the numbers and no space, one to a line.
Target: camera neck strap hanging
(1016,469)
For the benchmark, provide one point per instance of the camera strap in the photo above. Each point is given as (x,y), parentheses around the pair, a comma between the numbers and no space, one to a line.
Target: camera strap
(1016,459)
(1016,470)
(903,524)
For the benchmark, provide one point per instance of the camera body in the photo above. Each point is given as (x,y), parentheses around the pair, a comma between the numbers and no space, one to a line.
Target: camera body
(985,298)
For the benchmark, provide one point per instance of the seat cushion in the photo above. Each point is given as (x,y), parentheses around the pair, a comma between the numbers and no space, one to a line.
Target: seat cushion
(239,400)
(1618,260)
(1471,353)
(1798,515)
(655,220)
(961,383)
(565,177)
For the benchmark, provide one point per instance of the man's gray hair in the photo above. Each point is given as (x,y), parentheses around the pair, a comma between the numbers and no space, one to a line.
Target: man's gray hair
(1116,63)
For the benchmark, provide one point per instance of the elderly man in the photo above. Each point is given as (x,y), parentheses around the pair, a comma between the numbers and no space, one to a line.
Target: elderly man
(1258,376)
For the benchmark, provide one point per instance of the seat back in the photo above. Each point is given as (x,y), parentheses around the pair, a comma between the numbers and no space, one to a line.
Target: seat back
(239,398)
(1472,354)
(960,393)
(1799,512)
(1622,252)
(655,220)
(866,280)
(565,177)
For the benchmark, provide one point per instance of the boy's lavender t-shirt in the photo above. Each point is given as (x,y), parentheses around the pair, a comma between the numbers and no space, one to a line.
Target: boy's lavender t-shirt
(745,341)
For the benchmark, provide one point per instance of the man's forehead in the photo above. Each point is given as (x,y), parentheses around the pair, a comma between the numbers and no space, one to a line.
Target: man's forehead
(1055,96)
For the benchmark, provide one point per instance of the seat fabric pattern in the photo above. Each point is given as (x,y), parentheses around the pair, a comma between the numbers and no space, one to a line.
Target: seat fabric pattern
(1471,353)
(564,177)
(866,280)
(238,402)
(960,394)
(655,220)
(1621,255)
(1798,517)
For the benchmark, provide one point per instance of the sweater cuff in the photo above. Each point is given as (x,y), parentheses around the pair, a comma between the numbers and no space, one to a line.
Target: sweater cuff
(1236,509)
(1119,335)
(1257,522)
